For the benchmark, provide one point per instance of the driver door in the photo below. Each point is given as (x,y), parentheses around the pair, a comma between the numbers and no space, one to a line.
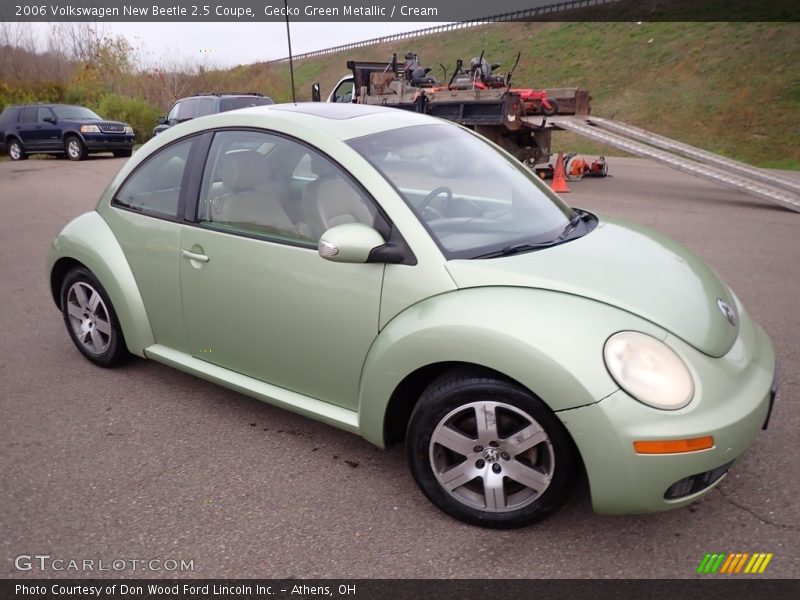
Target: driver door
(257,297)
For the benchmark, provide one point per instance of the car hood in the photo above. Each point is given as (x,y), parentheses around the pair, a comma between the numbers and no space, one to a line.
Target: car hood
(627,266)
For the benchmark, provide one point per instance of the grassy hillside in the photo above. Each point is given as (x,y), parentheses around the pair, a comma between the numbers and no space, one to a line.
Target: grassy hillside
(732,88)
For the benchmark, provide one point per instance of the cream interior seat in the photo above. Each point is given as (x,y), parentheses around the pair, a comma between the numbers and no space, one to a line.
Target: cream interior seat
(251,202)
(331,200)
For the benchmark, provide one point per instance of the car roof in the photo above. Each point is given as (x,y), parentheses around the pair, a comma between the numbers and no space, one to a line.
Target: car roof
(50,104)
(342,120)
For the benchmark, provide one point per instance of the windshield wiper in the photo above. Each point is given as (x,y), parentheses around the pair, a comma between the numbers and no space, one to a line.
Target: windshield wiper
(517,248)
(525,247)
(570,226)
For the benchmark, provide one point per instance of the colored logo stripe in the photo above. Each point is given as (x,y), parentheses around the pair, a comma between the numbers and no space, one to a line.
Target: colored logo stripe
(734,563)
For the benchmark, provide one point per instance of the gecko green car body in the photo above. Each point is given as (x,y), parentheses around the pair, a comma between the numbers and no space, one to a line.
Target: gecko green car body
(354,343)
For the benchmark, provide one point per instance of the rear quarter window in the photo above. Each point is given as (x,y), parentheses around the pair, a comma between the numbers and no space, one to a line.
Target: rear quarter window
(155,187)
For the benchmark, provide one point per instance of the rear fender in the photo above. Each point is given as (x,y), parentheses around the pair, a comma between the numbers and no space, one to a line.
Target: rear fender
(89,241)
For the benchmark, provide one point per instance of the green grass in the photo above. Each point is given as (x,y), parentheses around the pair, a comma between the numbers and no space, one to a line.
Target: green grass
(732,88)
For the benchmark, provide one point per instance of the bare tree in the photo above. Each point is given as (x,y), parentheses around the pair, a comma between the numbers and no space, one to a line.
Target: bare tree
(18,45)
(79,41)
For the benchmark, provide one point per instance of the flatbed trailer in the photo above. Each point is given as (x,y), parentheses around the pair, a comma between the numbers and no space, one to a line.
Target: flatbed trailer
(499,114)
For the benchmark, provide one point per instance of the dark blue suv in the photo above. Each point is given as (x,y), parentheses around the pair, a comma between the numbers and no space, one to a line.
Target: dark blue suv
(61,129)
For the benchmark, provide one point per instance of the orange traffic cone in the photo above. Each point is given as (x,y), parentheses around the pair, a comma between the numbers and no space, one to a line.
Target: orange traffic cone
(559,184)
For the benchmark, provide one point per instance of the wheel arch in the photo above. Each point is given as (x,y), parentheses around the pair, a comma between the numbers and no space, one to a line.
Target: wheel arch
(407,393)
(72,132)
(88,241)
(549,343)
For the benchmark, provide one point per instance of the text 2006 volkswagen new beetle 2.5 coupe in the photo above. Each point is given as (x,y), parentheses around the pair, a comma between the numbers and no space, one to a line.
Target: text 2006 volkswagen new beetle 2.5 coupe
(308,255)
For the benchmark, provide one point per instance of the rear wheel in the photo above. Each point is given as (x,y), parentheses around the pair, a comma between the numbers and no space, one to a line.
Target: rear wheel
(488,452)
(74,148)
(15,150)
(90,319)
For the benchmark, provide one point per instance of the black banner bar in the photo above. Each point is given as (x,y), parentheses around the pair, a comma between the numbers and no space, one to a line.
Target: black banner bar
(204,11)
(707,588)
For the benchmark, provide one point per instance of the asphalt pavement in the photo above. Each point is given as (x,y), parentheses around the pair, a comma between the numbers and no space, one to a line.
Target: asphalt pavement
(145,463)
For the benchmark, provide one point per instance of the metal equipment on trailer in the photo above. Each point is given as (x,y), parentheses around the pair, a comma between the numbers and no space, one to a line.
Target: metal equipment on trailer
(504,115)
(496,112)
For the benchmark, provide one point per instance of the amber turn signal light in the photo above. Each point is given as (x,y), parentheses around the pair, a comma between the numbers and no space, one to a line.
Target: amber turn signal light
(673,446)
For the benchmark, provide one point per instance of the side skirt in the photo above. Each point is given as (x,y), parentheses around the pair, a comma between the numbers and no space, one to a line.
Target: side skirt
(303,405)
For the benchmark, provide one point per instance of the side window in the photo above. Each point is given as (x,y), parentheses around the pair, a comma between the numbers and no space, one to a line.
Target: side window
(30,115)
(260,184)
(188,109)
(344,92)
(155,186)
(46,113)
(173,113)
(205,106)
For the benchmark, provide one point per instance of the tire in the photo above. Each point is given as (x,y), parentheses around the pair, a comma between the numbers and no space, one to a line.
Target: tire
(15,150)
(91,321)
(553,108)
(568,168)
(454,455)
(122,153)
(74,148)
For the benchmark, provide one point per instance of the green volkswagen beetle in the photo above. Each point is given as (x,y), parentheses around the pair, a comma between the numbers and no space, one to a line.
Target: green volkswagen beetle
(314,256)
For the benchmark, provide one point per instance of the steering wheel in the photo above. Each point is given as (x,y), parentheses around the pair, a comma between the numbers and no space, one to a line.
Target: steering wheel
(435,214)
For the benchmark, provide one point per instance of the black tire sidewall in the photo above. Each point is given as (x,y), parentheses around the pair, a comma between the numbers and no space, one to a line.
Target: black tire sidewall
(553,108)
(116,351)
(437,401)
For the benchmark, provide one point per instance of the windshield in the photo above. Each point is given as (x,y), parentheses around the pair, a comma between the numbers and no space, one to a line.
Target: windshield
(75,112)
(473,200)
(226,104)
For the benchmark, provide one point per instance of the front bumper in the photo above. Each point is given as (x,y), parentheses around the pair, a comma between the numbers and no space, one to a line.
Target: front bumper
(100,142)
(732,402)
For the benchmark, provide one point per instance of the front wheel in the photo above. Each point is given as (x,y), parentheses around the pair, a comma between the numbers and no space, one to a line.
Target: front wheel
(90,319)
(74,148)
(488,452)
(15,150)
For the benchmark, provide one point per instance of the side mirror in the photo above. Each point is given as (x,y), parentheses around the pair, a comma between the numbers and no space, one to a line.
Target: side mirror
(161,120)
(316,96)
(50,120)
(349,243)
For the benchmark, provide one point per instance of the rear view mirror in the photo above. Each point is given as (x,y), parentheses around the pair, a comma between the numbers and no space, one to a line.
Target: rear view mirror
(315,93)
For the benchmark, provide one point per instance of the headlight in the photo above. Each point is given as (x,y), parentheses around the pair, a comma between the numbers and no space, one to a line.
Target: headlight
(128,130)
(90,129)
(648,370)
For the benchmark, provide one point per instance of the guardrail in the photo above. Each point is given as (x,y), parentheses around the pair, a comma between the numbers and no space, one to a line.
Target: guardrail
(518,15)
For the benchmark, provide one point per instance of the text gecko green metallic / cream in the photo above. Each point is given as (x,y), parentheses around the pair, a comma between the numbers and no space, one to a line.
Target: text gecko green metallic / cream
(403,279)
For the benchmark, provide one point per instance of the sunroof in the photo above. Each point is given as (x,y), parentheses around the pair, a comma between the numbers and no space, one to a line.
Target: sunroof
(331,110)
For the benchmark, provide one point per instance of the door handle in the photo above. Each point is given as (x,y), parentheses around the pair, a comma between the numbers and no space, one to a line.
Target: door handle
(194,256)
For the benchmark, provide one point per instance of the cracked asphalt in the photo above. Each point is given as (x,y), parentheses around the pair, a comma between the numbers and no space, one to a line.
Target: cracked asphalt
(146,463)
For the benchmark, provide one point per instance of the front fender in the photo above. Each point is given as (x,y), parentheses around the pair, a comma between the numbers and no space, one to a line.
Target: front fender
(89,240)
(549,342)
